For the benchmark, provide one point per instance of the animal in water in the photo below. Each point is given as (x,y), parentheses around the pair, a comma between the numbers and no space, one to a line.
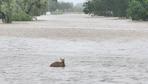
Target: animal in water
(60,63)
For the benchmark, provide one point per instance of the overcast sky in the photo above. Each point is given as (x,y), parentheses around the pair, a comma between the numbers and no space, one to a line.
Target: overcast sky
(73,1)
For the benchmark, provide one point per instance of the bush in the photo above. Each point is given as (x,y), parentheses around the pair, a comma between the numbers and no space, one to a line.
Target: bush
(138,10)
(117,8)
(21,16)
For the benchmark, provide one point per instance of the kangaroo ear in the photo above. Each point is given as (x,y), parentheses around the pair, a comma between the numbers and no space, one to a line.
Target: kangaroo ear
(62,59)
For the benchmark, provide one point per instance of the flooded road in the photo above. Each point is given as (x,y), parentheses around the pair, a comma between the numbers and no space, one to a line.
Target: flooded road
(92,54)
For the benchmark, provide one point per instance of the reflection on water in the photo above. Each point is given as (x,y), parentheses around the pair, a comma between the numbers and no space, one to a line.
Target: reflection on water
(26,61)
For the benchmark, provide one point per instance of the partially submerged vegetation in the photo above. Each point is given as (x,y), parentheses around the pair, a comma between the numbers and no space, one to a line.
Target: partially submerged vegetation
(21,10)
(135,9)
(138,10)
(25,10)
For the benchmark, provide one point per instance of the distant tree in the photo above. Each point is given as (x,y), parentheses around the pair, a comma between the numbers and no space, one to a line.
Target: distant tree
(53,5)
(88,7)
(55,1)
(65,6)
(78,8)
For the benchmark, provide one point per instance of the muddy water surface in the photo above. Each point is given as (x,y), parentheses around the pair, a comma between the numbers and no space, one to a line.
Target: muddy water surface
(26,61)
(97,50)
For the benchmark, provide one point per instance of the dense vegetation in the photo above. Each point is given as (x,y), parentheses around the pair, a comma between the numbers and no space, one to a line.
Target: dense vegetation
(135,9)
(25,10)
(138,9)
(5,10)
(21,10)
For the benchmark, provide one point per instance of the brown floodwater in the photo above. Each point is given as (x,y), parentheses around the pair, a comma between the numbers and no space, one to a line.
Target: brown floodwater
(97,50)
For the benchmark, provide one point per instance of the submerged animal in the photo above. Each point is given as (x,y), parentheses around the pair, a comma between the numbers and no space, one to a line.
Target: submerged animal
(60,63)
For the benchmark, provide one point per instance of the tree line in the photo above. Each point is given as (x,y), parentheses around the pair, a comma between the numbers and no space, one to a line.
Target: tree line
(134,9)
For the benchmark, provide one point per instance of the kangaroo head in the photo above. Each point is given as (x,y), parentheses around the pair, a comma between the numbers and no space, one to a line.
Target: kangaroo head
(62,60)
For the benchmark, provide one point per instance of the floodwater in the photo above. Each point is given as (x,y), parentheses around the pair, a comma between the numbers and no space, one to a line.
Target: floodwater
(108,60)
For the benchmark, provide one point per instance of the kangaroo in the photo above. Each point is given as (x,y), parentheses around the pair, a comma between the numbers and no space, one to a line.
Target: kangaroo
(58,64)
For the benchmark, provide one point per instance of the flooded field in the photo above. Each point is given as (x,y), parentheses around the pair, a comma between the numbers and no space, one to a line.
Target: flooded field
(97,50)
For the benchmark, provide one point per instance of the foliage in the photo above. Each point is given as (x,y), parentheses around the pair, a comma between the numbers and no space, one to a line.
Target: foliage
(6,10)
(22,10)
(138,9)
(52,6)
(21,16)
(106,7)
(88,7)
(33,7)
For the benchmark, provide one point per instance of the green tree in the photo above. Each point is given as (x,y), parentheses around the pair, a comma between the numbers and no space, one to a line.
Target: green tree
(33,7)
(106,7)
(138,9)
(6,10)
(53,5)
(88,7)
(21,10)
(120,7)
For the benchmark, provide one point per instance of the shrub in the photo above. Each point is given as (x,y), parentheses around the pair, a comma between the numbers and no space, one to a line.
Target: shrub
(21,16)
(138,10)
